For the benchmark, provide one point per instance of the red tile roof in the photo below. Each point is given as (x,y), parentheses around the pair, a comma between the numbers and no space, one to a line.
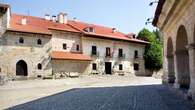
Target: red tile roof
(102,32)
(36,25)
(59,55)
(42,26)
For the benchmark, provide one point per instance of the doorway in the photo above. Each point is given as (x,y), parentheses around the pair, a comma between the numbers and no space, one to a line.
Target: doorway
(21,68)
(108,68)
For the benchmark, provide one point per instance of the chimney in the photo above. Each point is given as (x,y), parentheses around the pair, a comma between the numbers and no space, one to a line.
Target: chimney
(113,30)
(54,18)
(65,18)
(62,18)
(23,21)
(47,17)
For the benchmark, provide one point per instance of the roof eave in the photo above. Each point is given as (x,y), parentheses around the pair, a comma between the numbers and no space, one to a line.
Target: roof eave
(158,12)
(112,38)
(28,32)
(71,59)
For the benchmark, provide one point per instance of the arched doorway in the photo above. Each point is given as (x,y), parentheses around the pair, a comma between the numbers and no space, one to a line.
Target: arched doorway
(21,68)
(182,57)
(170,62)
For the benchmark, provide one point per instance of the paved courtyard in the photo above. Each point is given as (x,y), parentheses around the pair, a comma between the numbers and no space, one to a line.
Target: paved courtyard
(91,93)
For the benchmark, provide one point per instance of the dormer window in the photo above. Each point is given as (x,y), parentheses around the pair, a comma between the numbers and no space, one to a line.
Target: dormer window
(89,29)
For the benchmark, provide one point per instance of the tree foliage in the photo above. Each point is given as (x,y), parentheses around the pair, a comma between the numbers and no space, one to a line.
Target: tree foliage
(153,51)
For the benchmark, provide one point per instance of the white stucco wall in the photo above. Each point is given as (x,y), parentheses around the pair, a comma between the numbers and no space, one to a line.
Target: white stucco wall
(71,40)
(128,50)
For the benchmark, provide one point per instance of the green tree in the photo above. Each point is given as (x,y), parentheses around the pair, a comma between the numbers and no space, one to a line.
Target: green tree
(153,50)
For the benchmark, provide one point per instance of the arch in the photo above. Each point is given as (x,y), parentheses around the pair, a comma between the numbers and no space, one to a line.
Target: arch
(21,68)
(39,41)
(39,66)
(182,58)
(170,61)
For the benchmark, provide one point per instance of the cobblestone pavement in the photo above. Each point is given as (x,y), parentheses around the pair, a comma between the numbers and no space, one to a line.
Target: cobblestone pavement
(111,96)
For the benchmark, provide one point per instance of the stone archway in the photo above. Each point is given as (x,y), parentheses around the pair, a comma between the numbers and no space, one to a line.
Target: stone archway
(170,62)
(182,58)
(21,68)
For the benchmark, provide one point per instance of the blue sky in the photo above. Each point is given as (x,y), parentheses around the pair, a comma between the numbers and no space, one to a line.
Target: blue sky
(125,15)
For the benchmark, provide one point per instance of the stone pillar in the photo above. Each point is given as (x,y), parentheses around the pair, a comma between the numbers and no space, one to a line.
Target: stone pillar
(182,68)
(176,84)
(170,67)
(191,50)
(165,70)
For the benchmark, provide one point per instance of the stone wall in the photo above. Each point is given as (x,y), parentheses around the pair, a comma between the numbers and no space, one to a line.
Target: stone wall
(4,20)
(12,51)
(181,15)
(81,67)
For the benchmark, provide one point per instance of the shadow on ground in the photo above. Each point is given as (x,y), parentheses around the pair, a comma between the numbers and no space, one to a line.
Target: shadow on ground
(148,97)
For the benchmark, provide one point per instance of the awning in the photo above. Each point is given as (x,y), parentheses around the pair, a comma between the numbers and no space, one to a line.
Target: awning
(59,55)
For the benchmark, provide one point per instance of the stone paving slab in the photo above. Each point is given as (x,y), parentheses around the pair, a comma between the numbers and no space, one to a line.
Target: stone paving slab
(90,93)
(147,97)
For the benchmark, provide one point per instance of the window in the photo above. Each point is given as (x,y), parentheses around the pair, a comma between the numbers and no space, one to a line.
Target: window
(94,66)
(64,46)
(136,66)
(39,42)
(135,54)
(120,67)
(77,47)
(39,66)
(21,40)
(94,50)
(120,52)
(89,29)
(134,36)
(108,51)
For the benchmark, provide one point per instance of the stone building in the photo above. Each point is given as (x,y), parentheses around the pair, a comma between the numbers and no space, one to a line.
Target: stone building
(176,20)
(36,47)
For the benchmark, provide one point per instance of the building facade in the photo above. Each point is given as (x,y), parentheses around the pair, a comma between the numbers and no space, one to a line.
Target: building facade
(176,20)
(37,47)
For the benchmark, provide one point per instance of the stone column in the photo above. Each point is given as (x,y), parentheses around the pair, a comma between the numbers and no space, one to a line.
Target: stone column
(176,84)
(170,67)
(182,68)
(165,70)
(191,51)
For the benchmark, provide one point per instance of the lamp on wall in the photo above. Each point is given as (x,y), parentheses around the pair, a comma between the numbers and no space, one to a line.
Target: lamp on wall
(151,3)
(149,20)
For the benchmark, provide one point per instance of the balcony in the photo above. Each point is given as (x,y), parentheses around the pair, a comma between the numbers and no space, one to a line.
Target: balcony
(108,55)
(94,53)
(121,56)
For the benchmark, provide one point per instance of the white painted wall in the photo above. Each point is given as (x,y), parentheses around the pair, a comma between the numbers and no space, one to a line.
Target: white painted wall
(71,40)
(128,50)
